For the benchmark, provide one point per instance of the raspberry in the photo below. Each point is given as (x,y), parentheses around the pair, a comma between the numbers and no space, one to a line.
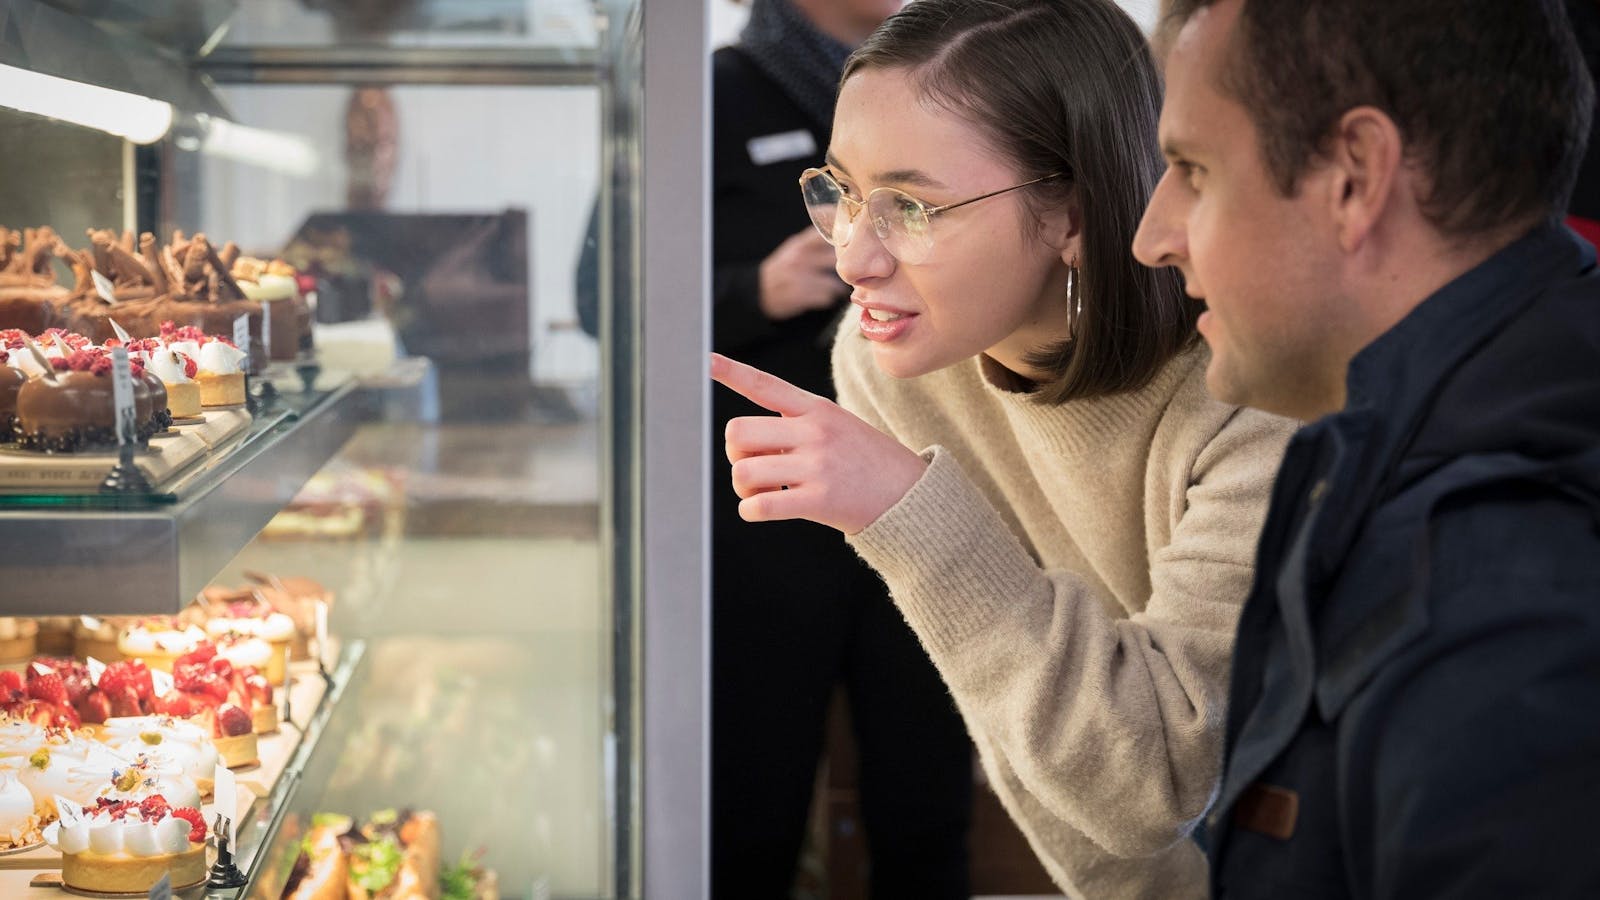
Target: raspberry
(260,688)
(175,703)
(190,367)
(222,667)
(214,686)
(78,685)
(197,823)
(186,675)
(232,721)
(152,807)
(128,673)
(202,653)
(48,688)
(94,708)
(10,681)
(66,717)
(125,703)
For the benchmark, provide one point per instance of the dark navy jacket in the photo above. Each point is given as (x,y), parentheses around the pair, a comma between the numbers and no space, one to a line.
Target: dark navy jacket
(1415,706)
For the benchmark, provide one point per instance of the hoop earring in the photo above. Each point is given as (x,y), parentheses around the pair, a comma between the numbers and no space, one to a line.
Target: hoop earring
(1074,300)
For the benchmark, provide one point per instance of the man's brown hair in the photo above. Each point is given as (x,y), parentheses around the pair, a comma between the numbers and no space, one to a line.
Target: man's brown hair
(1491,97)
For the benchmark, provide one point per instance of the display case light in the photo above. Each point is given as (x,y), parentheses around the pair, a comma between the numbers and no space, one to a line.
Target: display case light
(276,150)
(138,119)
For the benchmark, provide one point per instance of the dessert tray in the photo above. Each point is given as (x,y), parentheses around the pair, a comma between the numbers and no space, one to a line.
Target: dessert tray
(261,794)
(169,453)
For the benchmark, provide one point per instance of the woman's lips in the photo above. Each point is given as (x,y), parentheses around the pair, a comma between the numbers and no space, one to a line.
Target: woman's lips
(884,325)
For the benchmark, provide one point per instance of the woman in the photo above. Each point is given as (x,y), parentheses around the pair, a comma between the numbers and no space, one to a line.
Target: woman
(1073,544)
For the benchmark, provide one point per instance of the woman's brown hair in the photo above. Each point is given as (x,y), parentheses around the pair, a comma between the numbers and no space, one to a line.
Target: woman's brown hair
(1068,87)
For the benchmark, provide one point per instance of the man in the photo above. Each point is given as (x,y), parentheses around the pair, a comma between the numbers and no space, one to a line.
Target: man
(1365,194)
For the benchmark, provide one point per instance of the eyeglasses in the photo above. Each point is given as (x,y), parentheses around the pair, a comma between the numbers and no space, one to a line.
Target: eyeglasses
(902,222)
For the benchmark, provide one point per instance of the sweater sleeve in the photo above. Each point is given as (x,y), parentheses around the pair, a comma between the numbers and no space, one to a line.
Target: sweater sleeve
(1099,732)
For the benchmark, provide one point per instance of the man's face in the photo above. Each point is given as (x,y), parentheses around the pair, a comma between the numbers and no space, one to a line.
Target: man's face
(1267,266)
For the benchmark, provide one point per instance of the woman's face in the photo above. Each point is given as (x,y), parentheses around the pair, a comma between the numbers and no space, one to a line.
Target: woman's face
(994,283)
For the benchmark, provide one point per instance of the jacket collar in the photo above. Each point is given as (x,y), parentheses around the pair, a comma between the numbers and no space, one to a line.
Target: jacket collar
(1392,382)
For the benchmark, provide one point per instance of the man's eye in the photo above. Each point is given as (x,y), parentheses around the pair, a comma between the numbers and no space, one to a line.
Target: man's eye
(1190,173)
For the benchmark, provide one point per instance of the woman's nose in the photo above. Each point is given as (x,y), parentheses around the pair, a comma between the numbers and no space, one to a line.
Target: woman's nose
(863,257)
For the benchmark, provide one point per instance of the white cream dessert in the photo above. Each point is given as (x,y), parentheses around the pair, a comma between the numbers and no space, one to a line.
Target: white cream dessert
(18,739)
(170,744)
(159,641)
(142,777)
(221,374)
(19,819)
(127,846)
(69,767)
(242,640)
(178,373)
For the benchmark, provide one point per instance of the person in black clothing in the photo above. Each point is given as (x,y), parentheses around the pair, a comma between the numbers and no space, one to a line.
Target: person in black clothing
(1367,194)
(794,611)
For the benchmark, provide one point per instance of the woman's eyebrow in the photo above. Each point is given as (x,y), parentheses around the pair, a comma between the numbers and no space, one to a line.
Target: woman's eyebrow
(915,177)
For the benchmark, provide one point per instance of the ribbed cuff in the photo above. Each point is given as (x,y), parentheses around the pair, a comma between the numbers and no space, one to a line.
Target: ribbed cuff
(950,561)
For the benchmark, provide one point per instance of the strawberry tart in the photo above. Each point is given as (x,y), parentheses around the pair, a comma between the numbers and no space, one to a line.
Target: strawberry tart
(128,845)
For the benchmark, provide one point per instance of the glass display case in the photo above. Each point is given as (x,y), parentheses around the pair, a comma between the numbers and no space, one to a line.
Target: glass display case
(471,470)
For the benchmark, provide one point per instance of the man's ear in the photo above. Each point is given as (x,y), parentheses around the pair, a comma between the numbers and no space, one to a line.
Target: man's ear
(1364,157)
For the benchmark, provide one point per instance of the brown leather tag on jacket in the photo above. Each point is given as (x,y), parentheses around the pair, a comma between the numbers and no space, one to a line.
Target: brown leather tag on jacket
(1267,809)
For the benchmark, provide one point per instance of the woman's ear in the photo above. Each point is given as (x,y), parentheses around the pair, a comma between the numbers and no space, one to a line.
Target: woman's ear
(1063,229)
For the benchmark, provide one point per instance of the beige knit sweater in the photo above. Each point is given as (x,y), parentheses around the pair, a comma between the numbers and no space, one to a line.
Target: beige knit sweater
(1075,572)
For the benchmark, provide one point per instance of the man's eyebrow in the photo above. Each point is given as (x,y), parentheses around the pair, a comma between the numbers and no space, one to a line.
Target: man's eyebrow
(1172,147)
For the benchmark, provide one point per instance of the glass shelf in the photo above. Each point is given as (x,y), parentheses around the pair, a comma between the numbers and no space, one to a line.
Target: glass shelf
(90,553)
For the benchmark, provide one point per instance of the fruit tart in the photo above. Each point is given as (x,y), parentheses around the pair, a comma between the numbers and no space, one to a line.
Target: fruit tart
(127,845)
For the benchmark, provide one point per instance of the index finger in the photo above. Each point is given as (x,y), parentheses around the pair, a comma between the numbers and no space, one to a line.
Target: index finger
(764,390)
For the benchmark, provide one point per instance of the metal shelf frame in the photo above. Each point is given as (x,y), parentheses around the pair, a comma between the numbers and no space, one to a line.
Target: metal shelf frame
(155,559)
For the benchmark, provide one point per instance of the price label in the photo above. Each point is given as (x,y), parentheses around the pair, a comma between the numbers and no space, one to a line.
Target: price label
(322,634)
(96,668)
(266,327)
(225,800)
(241,336)
(71,813)
(122,395)
(122,333)
(161,682)
(103,287)
(162,889)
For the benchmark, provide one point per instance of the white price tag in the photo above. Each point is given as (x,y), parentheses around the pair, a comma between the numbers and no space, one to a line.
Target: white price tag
(96,669)
(122,333)
(241,336)
(103,287)
(71,812)
(266,327)
(161,682)
(225,800)
(322,634)
(122,395)
(162,889)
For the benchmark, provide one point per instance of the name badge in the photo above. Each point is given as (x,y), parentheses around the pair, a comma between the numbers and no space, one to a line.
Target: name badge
(779,147)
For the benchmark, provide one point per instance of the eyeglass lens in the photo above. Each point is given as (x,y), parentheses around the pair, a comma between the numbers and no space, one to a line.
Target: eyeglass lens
(897,219)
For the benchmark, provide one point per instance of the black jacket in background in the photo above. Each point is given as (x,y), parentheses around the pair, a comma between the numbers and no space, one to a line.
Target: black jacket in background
(754,208)
(1415,705)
